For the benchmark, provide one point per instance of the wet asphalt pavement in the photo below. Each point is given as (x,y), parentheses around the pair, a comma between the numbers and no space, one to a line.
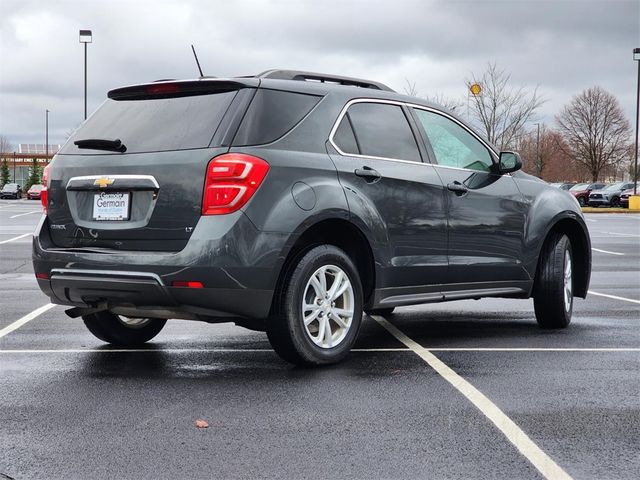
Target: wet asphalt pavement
(71,407)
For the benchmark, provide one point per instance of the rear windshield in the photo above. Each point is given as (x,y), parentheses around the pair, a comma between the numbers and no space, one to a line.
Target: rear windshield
(153,125)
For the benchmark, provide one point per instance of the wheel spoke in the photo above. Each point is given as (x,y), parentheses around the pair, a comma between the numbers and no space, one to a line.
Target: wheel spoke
(343,311)
(322,277)
(337,282)
(311,317)
(336,318)
(327,332)
(317,286)
(341,289)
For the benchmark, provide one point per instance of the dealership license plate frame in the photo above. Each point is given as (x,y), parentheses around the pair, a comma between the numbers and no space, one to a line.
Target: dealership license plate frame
(119,213)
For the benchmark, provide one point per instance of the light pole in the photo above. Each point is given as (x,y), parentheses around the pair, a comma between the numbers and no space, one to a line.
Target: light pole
(85,37)
(636,57)
(538,166)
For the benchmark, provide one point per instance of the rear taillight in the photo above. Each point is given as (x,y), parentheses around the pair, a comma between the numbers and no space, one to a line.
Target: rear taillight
(44,195)
(231,181)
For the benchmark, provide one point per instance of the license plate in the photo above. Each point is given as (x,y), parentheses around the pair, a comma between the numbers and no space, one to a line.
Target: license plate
(111,206)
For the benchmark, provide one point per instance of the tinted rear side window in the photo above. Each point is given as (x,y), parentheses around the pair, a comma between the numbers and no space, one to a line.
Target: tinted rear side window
(273,113)
(344,137)
(382,130)
(157,124)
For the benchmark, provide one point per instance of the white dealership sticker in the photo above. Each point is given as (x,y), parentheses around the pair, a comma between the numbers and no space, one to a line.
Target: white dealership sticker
(111,206)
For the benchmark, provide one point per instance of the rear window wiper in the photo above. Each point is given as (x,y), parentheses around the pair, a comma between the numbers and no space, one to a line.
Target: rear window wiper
(102,144)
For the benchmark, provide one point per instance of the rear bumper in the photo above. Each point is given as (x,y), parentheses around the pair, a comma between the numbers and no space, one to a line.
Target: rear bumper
(236,264)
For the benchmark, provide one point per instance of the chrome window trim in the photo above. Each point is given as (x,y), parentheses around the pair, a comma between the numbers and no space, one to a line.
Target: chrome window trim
(357,155)
(411,105)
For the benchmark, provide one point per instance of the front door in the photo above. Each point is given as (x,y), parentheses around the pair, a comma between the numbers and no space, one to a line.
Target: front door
(486,212)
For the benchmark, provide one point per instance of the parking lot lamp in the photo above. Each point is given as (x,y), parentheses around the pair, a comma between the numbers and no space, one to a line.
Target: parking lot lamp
(85,37)
(636,57)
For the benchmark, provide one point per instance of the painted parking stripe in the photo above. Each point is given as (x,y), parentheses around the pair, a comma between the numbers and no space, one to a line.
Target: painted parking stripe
(27,318)
(355,350)
(606,251)
(16,238)
(615,297)
(28,213)
(539,459)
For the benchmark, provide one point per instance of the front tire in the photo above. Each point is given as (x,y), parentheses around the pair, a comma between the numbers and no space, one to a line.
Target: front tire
(615,202)
(318,311)
(553,296)
(123,331)
(582,201)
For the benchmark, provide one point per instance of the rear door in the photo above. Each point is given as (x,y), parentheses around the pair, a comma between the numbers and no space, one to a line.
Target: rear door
(389,187)
(149,196)
(486,211)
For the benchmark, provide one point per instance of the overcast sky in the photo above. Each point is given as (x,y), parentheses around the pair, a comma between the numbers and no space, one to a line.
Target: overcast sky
(564,46)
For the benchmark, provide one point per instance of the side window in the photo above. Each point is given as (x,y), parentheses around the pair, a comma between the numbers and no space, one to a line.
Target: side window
(382,130)
(272,113)
(452,145)
(344,137)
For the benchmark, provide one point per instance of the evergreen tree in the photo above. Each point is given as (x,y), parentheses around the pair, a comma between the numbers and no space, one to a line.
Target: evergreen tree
(34,175)
(5,176)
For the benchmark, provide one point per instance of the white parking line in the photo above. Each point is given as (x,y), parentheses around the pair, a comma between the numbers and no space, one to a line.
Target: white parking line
(355,350)
(28,213)
(16,238)
(27,318)
(539,459)
(606,251)
(615,297)
(622,234)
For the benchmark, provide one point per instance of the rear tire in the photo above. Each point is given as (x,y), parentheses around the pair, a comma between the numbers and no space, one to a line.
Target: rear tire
(553,297)
(582,201)
(318,311)
(117,330)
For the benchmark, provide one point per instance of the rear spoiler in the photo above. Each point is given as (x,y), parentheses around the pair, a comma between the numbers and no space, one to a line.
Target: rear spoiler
(181,88)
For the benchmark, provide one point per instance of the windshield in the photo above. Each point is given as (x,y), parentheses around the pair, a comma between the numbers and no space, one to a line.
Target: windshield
(580,186)
(36,187)
(10,187)
(615,186)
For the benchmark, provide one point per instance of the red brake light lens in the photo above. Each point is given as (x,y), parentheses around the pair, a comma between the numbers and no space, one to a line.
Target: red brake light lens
(44,195)
(186,284)
(231,181)
(162,88)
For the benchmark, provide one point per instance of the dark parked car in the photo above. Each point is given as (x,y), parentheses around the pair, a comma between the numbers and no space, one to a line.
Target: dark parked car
(289,203)
(11,190)
(34,192)
(624,196)
(581,191)
(609,196)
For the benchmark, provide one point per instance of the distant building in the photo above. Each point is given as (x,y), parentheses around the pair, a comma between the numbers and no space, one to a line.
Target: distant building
(20,161)
(40,148)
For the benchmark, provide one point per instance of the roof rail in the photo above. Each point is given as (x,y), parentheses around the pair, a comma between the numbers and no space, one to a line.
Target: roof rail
(322,78)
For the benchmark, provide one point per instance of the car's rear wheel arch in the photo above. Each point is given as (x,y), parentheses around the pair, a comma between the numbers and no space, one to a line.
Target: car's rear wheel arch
(342,234)
(581,247)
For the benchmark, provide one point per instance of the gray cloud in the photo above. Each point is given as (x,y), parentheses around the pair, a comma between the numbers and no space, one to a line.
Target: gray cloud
(562,46)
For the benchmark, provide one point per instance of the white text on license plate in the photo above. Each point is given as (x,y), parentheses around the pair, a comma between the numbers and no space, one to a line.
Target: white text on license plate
(111,206)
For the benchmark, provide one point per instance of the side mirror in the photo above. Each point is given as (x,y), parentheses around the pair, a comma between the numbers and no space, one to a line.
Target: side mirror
(509,162)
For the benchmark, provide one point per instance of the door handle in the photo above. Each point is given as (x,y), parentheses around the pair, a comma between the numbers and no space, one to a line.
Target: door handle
(368,173)
(458,188)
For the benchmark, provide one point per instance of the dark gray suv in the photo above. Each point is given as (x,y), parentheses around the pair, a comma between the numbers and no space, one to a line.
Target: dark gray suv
(291,202)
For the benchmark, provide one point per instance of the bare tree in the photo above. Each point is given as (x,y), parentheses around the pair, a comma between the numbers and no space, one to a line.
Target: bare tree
(595,129)
(502,111)
(5,145)
(450,104)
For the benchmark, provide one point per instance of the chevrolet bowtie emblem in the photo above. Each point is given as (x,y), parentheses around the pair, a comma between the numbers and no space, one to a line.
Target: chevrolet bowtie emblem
(103,182)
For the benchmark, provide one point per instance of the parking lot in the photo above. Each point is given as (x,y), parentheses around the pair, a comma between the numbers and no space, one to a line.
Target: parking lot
(467,389)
